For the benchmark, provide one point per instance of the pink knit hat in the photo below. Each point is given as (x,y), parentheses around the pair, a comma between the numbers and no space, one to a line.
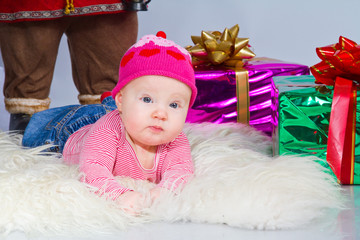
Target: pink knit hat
(155,55)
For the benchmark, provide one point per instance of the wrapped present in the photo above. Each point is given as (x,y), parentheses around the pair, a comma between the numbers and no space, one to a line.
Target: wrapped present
(301,116)
(340,67)
(303,120)
(232,85)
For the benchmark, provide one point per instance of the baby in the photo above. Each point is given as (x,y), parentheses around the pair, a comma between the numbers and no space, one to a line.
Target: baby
(141,136)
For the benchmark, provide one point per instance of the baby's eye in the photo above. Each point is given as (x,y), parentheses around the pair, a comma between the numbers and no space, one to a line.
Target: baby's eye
(174,105)
(146,99)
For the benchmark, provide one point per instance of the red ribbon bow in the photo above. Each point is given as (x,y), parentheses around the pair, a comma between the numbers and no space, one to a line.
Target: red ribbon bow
(341,59)
(340,67)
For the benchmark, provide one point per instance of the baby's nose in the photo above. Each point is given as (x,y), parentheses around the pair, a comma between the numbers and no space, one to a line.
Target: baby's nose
(159,113)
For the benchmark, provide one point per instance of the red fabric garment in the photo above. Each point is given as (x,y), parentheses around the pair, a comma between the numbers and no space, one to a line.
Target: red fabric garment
(25,10)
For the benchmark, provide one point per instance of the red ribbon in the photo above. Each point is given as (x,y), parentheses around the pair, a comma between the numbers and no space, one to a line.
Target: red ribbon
(340,67)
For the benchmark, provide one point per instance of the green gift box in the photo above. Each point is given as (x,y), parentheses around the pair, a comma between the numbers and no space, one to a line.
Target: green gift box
(301,119)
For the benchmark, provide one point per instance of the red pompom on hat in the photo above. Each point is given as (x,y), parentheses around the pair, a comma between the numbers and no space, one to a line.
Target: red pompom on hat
(156,55)
(161,34)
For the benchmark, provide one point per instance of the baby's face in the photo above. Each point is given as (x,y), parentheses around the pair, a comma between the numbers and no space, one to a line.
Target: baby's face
(153,109)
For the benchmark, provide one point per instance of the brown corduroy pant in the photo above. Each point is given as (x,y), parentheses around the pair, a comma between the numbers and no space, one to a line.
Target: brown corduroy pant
(29,51)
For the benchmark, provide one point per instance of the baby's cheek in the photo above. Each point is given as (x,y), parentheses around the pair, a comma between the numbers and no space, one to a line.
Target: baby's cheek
(175,129)
(180,118)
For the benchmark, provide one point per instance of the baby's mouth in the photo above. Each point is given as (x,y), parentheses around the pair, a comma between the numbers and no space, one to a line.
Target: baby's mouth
(156,128)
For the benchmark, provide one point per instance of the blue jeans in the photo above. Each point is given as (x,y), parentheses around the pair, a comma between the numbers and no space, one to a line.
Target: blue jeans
(55,125)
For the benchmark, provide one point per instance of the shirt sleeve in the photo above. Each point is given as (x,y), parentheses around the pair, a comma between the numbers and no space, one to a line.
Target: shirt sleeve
(178,166)
(97,160)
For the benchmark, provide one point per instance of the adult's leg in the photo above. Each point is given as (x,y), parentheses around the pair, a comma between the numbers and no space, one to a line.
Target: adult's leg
(29,51)
(97,44)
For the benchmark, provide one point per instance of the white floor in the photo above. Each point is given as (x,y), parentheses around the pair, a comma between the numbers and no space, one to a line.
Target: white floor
(344,225)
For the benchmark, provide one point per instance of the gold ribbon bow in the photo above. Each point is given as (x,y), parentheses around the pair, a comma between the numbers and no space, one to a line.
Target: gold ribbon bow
(220,48)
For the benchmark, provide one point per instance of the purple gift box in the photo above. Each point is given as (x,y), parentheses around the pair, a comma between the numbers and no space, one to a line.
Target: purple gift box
(218,99)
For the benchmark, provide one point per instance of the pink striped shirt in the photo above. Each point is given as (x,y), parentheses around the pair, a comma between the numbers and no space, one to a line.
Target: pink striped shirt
(102,152)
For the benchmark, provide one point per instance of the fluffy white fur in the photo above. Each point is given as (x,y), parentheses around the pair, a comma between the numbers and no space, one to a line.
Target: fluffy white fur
(237,182)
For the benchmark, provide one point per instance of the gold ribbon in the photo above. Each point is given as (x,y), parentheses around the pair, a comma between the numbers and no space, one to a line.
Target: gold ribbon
(242,94)
(217,48)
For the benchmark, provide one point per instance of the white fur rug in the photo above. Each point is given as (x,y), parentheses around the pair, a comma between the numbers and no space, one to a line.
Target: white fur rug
(237,182)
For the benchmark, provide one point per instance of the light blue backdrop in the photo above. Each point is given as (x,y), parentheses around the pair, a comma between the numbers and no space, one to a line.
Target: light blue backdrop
(284,29)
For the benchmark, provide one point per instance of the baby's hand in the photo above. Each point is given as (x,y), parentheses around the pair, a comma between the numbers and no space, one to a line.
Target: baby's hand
(156,191)
(132,202)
